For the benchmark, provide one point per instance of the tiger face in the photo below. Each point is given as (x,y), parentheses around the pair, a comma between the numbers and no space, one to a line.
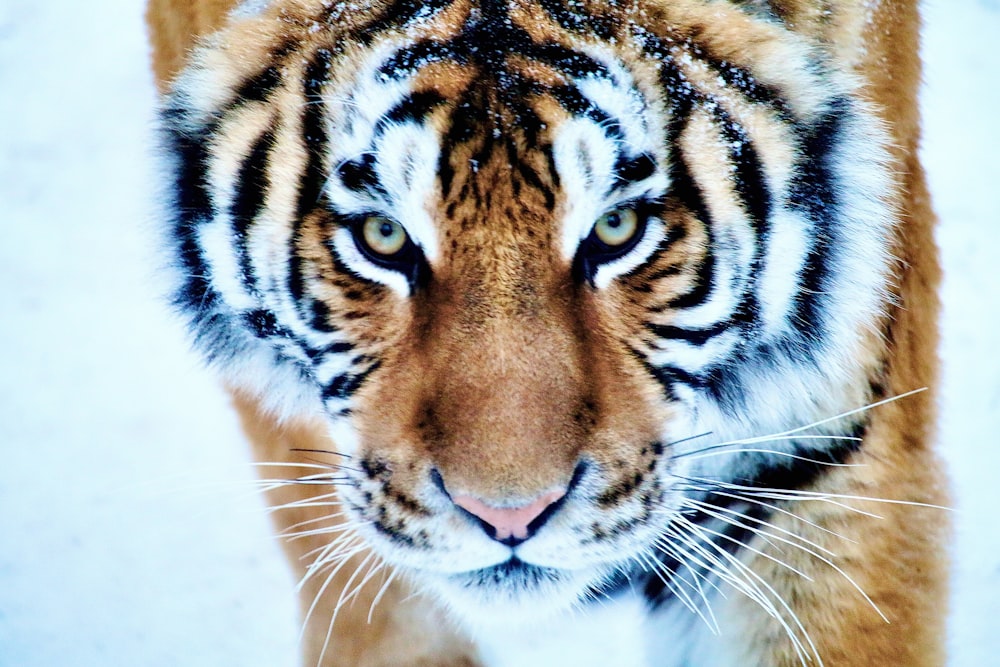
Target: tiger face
(536,272)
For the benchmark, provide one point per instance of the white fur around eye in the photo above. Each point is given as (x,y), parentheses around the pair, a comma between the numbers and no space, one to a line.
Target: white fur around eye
(585,159)
(347,250)
(651,238)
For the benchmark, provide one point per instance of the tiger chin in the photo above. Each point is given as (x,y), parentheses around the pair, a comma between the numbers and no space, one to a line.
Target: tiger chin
(577,333)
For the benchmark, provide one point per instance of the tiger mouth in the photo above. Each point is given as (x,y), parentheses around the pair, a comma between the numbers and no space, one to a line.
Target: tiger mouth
(513,574)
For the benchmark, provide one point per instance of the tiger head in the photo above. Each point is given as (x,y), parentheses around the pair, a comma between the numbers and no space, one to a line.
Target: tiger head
(531,268)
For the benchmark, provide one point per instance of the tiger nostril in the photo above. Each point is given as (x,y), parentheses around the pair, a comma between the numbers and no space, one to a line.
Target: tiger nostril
(512,525)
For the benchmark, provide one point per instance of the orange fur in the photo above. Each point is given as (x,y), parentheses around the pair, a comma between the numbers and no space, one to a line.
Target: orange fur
(518,380)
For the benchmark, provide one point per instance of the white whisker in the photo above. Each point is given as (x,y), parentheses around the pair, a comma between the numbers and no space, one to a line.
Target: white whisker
(756,581)
(797,494)
(726,448)
(381,592)
(719,513)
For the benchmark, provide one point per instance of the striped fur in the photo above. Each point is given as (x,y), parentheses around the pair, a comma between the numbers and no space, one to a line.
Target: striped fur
(507,353)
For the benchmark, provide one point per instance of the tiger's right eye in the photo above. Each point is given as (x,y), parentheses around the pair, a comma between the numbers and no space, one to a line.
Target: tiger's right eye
(382,236)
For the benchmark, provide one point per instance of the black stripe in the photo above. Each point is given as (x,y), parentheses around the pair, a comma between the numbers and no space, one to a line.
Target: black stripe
(319,316)
(748,178)
(258,87)
(252,185)
(692,336)
(340,347)
(569,17)
(314,135)
(359,174)
(406,61)
(530,176)
(469,111)
(748,86)
(668,377)
(752,189)
(567,61)
(263,324)
(311,309)
(192,207)
(575,103)
(311,182)
(632,170)
(398,15)
(414,107)
(684,189)
(813,192)
(732,75)
(344,386)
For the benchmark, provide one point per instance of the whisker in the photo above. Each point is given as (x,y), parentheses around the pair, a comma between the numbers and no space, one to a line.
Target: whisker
(299,504)
(849,413)
(326,584)
(728,448)
(332,452)
(328,530)
(345,597)
(381,592)
(711,510)
(798,494)
(781,510)
(740,582)
(295,464)
(757,581)
(827,561)
(689,439)
(751,549)
(666,577)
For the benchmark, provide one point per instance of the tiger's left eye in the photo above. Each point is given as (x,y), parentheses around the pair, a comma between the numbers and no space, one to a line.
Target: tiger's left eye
(383,236)
(616,228)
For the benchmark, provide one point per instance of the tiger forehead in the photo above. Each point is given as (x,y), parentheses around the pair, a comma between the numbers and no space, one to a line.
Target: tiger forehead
(493,96)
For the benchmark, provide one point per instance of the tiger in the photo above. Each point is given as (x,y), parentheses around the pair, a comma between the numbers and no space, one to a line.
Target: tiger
(571,332)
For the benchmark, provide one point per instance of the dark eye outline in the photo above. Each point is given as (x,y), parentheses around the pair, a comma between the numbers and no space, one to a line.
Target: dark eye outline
(594,253)
(409,260)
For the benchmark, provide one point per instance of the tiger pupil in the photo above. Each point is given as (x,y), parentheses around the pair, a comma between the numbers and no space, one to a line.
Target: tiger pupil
(386,229)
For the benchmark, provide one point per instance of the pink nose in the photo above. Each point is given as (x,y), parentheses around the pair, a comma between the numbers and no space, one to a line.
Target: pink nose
(509,522)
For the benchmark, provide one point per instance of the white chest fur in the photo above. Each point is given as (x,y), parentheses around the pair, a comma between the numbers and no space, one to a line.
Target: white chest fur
(602,634)
(619,632)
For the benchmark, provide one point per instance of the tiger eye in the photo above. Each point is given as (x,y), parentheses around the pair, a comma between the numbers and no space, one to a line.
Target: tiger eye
(383,236)
(617,227)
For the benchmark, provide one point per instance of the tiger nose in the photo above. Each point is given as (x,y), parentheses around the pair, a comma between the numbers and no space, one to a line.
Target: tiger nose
(512,525)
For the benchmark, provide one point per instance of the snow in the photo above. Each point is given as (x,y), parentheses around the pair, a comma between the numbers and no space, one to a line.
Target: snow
(129,531)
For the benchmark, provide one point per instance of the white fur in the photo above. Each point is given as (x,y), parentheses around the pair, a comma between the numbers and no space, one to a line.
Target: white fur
(249,9)
(651,239)
(585,158)
(355,111)
(605,633)
(348,251)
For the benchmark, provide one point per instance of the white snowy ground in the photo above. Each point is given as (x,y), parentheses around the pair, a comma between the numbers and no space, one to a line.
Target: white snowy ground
(127,536)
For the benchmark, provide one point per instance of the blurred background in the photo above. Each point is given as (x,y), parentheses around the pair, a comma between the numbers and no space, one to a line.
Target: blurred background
(129,533)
